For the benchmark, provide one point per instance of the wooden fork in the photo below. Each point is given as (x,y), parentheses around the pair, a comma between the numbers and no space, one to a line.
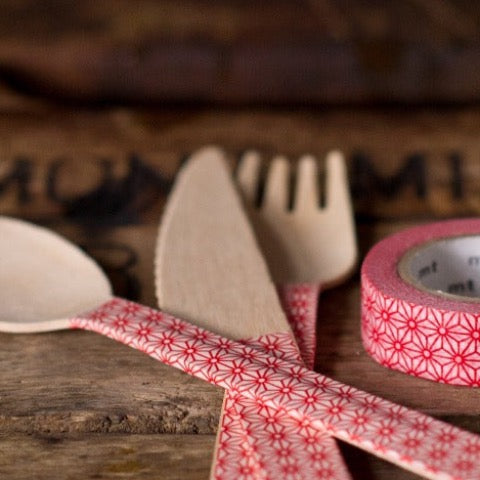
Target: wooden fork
(307,247)
(308,243)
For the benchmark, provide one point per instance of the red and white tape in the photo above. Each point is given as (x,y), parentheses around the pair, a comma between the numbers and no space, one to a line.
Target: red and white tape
(407,438)
(421,302)
(266,444)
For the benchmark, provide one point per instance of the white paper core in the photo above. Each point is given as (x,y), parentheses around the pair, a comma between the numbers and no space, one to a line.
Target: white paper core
(447,267)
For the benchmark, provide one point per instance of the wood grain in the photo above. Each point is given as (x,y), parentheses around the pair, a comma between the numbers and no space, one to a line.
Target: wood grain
(82,382)
(97,396)
(96,456)
(157,457)
(115,166)
(276,52)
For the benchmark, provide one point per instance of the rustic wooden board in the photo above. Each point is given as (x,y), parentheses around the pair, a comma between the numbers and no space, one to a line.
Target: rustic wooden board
(279,52)
(98,456)
(115,166)
(120,456)
(74,404)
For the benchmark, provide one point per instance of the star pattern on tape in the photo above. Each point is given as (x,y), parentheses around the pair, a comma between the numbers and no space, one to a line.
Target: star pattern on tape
(422,341)
(268,443)
(405,437)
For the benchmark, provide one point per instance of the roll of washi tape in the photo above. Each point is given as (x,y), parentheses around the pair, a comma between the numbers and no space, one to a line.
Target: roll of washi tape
(421,302)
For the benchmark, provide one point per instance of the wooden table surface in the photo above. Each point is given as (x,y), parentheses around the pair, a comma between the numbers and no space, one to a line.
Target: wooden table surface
(75,405)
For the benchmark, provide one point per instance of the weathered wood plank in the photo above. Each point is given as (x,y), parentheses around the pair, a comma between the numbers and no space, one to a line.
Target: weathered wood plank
(315,52)
(138,457)
(114,167)
(51,457)
(81,382)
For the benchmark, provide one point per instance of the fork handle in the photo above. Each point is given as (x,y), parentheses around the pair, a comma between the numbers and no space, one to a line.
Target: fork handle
(299,302)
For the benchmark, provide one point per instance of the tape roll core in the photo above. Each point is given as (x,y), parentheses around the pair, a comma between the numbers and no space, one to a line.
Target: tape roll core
(420,302)
(448,267)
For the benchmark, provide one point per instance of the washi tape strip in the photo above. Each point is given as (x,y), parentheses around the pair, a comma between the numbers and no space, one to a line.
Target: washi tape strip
(421,302)
(407,438)
(266,444)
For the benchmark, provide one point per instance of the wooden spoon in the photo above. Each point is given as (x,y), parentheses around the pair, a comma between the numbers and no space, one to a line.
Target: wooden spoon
(44,279)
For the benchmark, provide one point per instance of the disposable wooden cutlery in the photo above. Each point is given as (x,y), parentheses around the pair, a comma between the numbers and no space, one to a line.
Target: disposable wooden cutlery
(209,270)
(307,247)
(399,434)
(34,259)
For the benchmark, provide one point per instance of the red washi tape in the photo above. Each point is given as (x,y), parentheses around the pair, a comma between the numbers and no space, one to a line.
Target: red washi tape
(421,302)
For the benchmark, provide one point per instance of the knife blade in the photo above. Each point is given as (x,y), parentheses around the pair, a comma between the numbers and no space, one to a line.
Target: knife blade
(208,268)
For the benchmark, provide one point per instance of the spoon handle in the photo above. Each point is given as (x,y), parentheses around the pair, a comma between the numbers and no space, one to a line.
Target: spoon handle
(410,439)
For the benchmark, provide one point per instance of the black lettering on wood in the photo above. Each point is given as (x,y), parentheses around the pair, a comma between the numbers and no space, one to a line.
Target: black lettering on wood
(116,260)
(114,201)
(21,175)
(366,180)
(455,160)
(105,168)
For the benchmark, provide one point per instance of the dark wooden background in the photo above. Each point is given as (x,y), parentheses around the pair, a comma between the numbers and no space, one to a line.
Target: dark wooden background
(100,102)
(243,52)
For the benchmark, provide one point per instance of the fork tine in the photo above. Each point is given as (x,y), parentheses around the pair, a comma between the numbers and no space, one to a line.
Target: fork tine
(306,190)
(336,184)
(248,172)
(276,185)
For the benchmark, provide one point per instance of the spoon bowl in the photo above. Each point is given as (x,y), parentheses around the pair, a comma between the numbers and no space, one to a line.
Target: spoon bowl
(44,279)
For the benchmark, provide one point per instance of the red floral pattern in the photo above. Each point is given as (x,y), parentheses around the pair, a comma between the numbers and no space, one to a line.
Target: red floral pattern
(267,443)
(420,340)
(410,439)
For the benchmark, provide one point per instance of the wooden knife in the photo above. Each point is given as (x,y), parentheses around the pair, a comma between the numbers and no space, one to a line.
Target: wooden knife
(209,269)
